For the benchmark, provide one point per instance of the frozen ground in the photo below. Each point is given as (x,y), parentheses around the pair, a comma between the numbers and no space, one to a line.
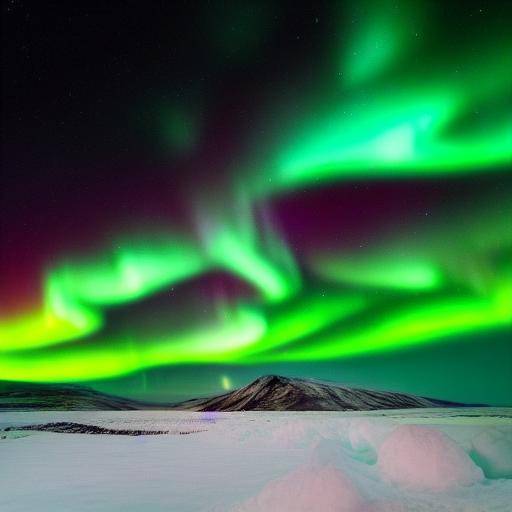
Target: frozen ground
(438,460)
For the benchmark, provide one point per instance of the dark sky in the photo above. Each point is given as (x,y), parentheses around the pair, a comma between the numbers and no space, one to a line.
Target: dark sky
(196,193)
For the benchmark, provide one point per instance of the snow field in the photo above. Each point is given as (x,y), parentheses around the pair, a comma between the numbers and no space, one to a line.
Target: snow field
(259,461)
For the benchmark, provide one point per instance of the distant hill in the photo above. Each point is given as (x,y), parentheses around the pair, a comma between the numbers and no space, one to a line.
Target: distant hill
(275,393)
(23,396)
(267,393)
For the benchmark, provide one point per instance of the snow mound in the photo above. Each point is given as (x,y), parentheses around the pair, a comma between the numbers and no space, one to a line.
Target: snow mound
(360,435)
(326,452)
(492,451)
(309,488)
(365,438)
(422,458)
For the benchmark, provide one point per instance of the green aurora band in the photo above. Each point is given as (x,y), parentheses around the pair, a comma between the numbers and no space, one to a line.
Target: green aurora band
(362,126)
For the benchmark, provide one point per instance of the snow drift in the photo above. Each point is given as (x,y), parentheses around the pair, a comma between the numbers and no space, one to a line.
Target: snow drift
(422,458)
(308,488)
(492,451)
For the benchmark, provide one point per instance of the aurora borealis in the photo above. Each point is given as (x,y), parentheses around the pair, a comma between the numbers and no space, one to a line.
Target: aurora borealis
(290,187)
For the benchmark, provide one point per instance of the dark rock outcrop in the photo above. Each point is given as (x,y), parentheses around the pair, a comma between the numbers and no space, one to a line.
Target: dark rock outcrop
(67,427)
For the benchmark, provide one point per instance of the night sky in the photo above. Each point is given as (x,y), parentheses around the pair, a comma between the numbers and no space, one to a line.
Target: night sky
(197,193)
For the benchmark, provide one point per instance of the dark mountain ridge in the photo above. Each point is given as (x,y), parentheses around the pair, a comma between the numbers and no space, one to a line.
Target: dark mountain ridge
(276,393)
(267,393)
(65,397)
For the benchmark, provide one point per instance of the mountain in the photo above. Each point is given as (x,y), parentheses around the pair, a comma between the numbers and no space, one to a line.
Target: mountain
(23,396)
(268,393)
(275,393)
